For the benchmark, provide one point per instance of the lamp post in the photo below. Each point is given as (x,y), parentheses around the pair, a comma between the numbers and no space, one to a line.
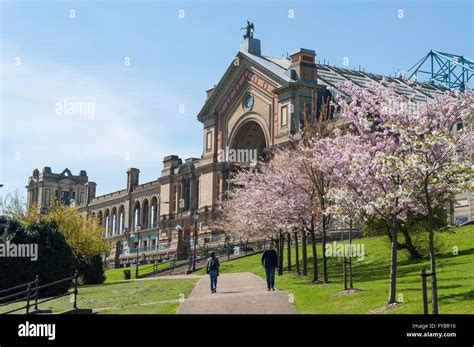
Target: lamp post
(195,218)
(138,244)
(178,229)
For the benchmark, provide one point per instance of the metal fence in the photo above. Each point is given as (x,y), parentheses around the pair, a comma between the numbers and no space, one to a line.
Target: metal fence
(31,294)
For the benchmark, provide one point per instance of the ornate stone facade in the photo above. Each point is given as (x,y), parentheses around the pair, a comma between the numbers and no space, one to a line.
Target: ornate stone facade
(256,105)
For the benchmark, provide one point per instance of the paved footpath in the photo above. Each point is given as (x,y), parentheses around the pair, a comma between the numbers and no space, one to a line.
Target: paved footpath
(237,293)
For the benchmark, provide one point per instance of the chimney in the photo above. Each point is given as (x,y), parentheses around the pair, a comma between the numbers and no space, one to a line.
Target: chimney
(132,178)
(302,65)
(171,161)
(90,191)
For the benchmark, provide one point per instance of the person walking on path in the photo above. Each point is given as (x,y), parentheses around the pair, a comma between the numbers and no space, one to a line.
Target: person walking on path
(270,263)
(212,269)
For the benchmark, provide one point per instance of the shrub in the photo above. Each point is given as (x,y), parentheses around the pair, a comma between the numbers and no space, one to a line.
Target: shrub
(91,269)
(55,259)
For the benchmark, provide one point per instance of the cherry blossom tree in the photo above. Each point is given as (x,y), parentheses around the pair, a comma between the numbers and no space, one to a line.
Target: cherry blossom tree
(437,159)
(269,199)
(398,160)
(368,158)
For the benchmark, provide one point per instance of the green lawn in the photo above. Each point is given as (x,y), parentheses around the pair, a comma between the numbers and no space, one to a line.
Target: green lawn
(142,296)
(113,275)
(455,279)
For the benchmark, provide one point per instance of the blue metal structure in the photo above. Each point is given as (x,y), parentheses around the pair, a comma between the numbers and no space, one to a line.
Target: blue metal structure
(452,71)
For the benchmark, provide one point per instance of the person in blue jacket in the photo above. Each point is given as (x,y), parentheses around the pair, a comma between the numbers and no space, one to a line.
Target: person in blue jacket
(270,263)
(213,270)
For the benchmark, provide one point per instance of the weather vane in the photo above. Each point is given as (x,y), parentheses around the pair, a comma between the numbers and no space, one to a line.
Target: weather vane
(249,29)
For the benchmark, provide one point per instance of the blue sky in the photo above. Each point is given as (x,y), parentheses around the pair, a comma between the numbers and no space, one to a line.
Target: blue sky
(148,109)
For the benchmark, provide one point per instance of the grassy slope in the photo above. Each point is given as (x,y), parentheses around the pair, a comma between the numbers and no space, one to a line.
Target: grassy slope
(142,296)
(455,279)
(117,274)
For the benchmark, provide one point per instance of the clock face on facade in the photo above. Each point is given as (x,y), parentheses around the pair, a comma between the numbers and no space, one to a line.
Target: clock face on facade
(248,101)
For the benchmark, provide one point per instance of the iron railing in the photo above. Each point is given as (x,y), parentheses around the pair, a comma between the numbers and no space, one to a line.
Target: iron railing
(32,293)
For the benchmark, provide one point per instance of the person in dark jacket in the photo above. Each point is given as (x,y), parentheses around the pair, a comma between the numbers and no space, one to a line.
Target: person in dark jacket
(270,263)
(212,269)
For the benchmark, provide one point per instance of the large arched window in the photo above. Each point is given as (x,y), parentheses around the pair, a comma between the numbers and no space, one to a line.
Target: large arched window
(249,141)
(146,214)
(114,221)
(100,219)
(121,219)
(107,223)
(154,212)
(136,215)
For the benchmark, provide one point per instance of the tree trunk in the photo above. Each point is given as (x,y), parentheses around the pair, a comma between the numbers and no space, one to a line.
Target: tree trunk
(351,284)
(323,245)
(280,258)
(289,251)
(434,281)
(305,257)
(408,245)
(297,254)
(393,264)
(315,255)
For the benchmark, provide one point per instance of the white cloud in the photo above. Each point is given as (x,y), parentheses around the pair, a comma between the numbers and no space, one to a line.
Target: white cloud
(124,122)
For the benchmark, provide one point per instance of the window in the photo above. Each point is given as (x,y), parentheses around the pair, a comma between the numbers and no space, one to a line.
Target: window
(47,198)
(284,117)
(114,224)
(187,195)
(121,222)
(107,226)
(137,218)
(208,140)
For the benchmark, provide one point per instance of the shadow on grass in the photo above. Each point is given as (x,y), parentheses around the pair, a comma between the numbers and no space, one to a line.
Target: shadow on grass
(465,296)
(374,270)
(461,252)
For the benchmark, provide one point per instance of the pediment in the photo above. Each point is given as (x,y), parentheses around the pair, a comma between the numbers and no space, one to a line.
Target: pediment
(241,73)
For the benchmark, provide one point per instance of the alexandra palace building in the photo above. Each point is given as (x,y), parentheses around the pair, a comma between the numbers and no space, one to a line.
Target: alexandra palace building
(255,106)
